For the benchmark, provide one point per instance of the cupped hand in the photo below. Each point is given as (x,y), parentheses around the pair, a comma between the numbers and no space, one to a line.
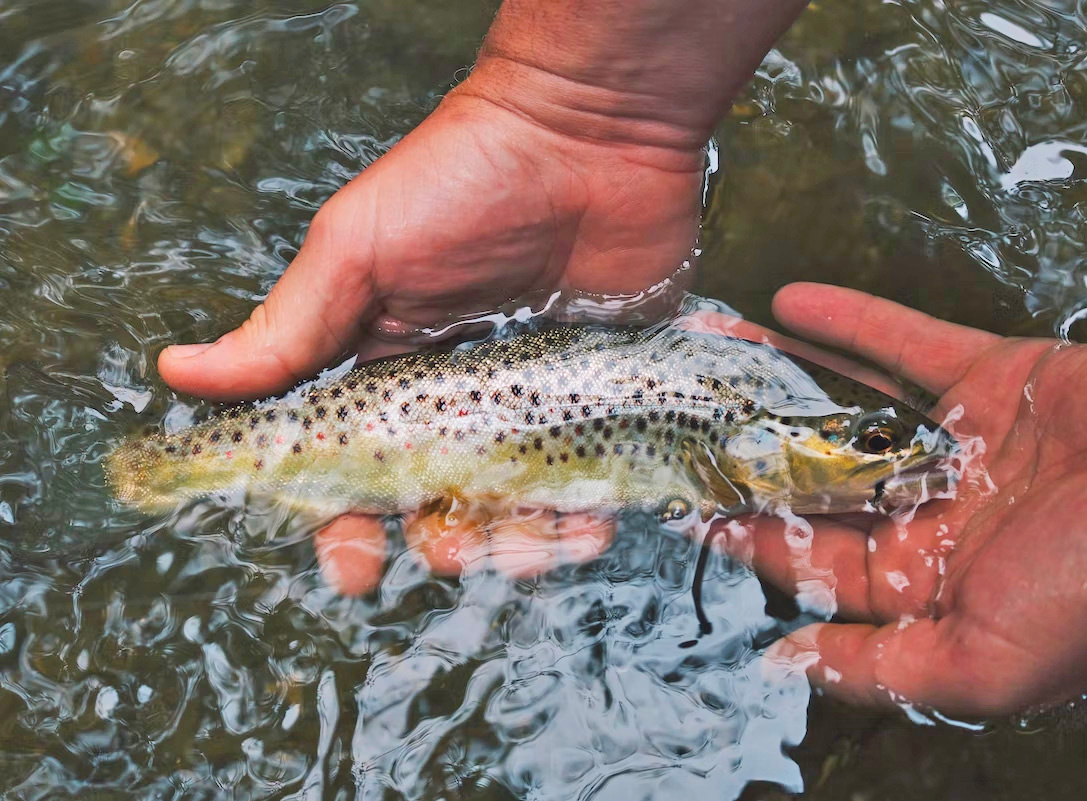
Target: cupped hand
(477,206)
(975,605)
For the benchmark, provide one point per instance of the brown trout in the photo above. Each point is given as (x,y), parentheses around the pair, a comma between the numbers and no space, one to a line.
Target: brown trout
(566,418)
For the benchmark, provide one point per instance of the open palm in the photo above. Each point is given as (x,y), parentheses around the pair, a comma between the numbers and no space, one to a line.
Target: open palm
(974,605)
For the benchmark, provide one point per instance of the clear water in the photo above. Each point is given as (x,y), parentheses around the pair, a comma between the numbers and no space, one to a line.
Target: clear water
(159,164)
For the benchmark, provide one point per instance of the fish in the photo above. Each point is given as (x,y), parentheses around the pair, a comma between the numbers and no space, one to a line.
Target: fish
(575,418)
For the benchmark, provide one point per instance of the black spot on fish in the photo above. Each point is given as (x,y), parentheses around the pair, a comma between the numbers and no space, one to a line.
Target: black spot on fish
(236,436)
(640,425)
(574,397)
(307,424)
(371,387)
(215,436)
(496,398)
(292,416)
(458,435)
(422,396)
(517,390)
(475,395)
(567,415)
(654,416)
(343,439)
(599,450)
(607,432)
(523,449)
(618,449)
(749,406)
(254,422)
(336,392)
(296,448)
(405,383)
(586,411)
(262,440)
(171,448)
(537,444)
(670,416)
(598,424)
(440,404)
(579,429)
(651,384)
(480,450)
(196,450)
(534,398)
(387,395)
(383,417)
(405,408)
(550,459)
(580,451)
(530,417)
(443,431)
(730,416)
(259,464)
(360,405)
(500,437)
(650,451)
(352,384)
(680,418)
(554,431)
(342,413)
(379,456)
(321,412)
(420,374)
(564,457)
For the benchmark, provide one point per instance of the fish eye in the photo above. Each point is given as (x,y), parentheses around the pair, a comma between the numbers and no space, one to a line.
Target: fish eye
(877,436)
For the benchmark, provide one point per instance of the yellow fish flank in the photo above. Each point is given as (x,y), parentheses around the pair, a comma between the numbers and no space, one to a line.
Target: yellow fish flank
(569,418)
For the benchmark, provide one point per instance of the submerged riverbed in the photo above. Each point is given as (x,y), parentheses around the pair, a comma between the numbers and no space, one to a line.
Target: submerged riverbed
(159,164)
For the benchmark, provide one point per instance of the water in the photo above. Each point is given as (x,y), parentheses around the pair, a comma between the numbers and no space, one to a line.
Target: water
(158,168)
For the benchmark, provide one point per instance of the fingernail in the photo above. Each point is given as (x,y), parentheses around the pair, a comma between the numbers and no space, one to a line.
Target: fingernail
(188,351)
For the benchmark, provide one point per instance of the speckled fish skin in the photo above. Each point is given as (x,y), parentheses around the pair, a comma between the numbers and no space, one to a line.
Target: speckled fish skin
(569,418)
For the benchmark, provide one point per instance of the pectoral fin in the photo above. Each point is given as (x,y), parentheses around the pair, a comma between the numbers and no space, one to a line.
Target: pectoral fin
(725,495)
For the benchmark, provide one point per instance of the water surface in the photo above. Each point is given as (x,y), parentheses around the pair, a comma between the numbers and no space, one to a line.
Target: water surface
(159,164)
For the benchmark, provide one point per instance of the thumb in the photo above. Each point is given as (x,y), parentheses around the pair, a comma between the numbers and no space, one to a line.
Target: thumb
(312,316)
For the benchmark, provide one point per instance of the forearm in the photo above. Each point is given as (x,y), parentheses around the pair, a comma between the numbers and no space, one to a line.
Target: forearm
(657,73)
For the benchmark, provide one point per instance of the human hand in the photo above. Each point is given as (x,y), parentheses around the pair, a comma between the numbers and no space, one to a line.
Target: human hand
(477,206)
(974,605)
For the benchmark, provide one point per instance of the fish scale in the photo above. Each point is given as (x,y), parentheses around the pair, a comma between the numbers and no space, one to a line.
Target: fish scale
(569,418)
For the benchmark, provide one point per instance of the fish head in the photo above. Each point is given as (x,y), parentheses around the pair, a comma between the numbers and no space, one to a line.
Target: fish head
(857,449)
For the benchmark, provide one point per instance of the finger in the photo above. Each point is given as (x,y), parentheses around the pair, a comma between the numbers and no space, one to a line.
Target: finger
(875,569)
(723,324)
(311,317)
(945,664)
(930,352)
(823,564)
(529,544)
(351,553)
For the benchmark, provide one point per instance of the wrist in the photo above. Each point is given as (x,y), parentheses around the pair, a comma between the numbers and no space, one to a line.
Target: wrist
(574,109)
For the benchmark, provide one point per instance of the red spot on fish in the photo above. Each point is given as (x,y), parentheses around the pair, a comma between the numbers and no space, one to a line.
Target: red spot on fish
(462,413)
(279,440)
(321,436)
(407,446)
(230,454)
(445,450)
(369,426)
